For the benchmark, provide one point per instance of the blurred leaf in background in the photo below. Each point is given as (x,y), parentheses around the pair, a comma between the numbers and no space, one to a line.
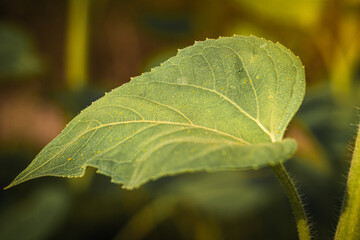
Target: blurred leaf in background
(35,217)
(222,197)
(18,58)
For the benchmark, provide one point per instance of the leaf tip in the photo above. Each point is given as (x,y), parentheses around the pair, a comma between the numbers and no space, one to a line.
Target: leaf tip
(12,184)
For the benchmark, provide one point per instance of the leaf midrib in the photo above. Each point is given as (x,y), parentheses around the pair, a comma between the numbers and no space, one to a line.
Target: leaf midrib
(161,122)
(257,121)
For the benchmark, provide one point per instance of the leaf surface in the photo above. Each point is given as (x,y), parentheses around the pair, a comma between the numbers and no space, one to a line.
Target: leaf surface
(217,105)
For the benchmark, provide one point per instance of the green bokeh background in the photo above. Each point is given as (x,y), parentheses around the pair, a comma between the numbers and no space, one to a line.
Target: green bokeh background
(58,56)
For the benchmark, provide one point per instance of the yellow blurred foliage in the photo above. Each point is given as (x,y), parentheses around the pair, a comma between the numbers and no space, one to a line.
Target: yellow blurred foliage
(297,12)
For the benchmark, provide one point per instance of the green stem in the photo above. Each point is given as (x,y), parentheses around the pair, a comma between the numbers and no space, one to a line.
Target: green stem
(77,43)
(349,222)
(295,201)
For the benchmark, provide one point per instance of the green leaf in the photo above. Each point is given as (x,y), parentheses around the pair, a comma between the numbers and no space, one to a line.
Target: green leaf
(226,194)
(349,223)
(218,105)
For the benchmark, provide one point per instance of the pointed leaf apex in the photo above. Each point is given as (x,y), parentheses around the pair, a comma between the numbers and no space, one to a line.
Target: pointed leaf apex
(183,108)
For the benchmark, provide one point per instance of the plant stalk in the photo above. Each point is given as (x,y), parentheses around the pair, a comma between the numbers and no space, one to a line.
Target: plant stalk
(295,201)
(349,222)
(77,43)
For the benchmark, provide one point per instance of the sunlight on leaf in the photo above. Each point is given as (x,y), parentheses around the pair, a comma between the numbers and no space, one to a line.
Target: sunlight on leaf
(218,105)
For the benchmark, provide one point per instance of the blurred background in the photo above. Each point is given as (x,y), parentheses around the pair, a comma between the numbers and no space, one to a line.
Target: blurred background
(56,57)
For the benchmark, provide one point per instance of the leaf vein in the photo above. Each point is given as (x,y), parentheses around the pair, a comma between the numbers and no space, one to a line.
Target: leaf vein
(161,104)
(228,100)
